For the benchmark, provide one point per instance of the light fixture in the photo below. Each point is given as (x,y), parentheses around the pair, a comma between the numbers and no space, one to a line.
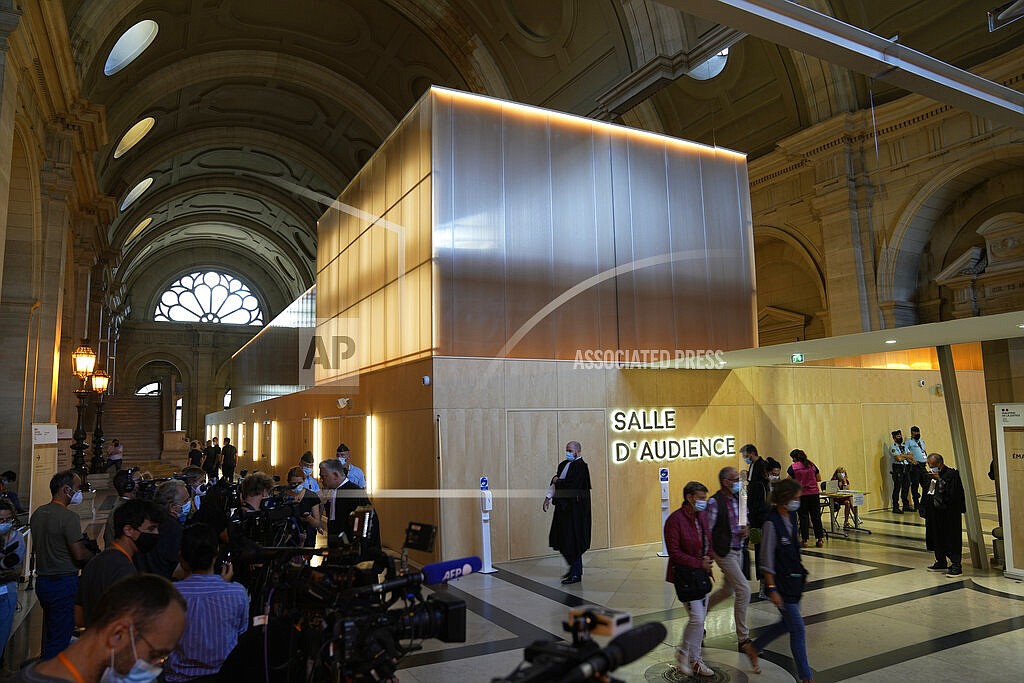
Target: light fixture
(83,360)
(100,381)
(999,17)
(890,341)
(1021,326)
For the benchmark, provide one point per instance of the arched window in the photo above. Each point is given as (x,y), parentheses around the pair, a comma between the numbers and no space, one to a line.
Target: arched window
(177,415)
(151,389)
(209,297)
(227,399)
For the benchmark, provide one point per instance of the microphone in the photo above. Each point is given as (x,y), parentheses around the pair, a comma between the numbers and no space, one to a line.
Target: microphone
(623,649)
(437,572)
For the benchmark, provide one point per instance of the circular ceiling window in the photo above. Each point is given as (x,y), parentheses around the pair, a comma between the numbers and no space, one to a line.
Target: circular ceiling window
(130,45)
(136,192)
(710,68)
(134,136)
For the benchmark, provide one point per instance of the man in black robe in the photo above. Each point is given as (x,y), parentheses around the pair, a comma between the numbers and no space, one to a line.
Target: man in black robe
(942,505)
(570,525)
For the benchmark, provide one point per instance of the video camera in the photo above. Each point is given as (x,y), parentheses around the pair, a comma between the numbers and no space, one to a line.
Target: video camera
(335,625)
(583,660)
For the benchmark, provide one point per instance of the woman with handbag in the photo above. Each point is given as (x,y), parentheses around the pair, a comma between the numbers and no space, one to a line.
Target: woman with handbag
(784,573)
(689,568)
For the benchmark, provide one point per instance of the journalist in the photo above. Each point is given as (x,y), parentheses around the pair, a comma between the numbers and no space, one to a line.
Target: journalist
(688,540)
(60,549)
(138,527)
(307,505)
(173,499)
(137,626)
(126,483)
(12,558)
(217,610)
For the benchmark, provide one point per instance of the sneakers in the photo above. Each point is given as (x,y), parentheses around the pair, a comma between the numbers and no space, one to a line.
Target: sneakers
(683,663)
(937,567)
(955,572)
(702,669)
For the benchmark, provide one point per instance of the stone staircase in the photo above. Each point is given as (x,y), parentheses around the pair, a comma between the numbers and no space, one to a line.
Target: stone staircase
(136,422)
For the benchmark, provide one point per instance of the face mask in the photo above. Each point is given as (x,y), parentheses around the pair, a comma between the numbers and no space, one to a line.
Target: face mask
(773,477)
(933,470)
(5,527)
(569,455)
(747,460)
(842,475)
(700,505)
(76,498)
(793,505)
(185,509)
(141,672)
(308,471)
(146,541)
(344,461)
(736,487)
(899,439)
(297,488)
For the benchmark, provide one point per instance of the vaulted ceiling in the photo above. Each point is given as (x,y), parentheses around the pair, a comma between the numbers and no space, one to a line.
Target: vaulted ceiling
(265,109)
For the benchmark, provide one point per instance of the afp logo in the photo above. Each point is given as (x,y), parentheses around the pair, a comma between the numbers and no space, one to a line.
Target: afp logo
(456,572)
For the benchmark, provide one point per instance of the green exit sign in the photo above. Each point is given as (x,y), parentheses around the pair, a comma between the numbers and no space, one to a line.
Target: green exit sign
(797,358)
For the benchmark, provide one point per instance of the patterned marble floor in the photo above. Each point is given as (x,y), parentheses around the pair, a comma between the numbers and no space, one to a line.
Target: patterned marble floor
(872,612)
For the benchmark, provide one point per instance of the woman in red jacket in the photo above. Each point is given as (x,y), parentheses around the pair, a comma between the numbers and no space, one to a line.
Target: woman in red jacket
(806,474)
(689,547)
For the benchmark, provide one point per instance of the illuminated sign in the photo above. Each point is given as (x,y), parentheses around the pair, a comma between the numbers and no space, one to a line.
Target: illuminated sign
(669,448)
(796,358)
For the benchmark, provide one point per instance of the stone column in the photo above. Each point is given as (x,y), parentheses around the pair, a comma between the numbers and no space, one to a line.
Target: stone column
(9,18)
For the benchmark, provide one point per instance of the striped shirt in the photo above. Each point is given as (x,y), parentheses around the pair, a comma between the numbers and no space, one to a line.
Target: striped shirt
(218,613)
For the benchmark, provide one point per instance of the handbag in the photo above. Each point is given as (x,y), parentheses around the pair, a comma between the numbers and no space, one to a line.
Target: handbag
(692,583)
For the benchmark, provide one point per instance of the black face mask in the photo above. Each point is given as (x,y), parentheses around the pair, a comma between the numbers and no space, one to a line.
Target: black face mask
(146,541)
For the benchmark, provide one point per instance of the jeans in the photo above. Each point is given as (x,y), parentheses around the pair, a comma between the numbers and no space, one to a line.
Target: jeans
(57,597)
(693,634)
(8,604)
(734,582)
(793,622)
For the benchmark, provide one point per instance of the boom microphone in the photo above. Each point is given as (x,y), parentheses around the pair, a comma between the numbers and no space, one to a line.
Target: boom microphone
(623,649)
(437,572)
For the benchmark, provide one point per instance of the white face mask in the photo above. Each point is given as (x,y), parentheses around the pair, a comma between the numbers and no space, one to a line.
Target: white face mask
(76,498)
(793,505)
(773,477)
(343,460)
(933,470)
(842,475)
(308,471)
(569,455)
(141,672)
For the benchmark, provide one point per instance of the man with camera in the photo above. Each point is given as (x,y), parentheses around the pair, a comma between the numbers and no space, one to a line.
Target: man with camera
(137,525)
(218,610)
(60,549)
(172,498)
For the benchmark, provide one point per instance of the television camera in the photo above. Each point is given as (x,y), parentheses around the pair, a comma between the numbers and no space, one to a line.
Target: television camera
(583,659)
(338,621)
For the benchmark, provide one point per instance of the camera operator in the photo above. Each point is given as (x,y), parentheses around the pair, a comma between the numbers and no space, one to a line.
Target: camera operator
(307,505)
(173,499)
(126,483)
(60,549)
(12,557)
(218,610)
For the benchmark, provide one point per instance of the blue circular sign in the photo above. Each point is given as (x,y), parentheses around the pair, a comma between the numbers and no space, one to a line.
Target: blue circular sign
(663,473)
(483,483)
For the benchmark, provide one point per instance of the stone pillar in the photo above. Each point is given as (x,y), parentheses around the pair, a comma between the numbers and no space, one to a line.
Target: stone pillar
(842,205)
(9,18)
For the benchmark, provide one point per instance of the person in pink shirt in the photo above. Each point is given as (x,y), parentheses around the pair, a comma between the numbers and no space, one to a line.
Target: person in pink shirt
(806,474)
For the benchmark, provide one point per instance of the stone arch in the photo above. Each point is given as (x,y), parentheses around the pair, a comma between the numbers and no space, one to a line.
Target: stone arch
(792,297)
(900,258)
(127,383)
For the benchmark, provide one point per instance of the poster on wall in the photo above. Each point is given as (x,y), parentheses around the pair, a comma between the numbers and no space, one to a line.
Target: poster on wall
(1010,444)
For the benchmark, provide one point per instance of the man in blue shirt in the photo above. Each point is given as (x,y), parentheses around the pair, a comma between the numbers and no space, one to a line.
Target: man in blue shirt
(217,611)
(899,462)
(354,474)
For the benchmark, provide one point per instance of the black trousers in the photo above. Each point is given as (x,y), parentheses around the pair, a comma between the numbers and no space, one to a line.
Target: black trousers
(918,481)
(900,486)
(808,514)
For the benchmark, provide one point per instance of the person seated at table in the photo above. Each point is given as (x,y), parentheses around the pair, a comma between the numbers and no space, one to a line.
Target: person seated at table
(841,482)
